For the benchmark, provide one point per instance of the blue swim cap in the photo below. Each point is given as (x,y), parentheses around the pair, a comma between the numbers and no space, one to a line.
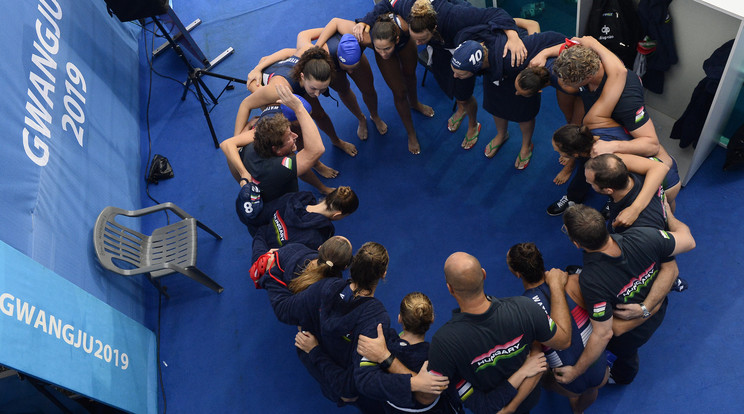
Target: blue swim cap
(285,110)
(468,56)
(349,52)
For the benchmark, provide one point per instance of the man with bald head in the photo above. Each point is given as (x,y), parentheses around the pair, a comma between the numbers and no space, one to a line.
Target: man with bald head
(484,348)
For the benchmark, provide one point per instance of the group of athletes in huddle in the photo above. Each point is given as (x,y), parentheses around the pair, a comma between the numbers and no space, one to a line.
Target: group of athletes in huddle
(586,324)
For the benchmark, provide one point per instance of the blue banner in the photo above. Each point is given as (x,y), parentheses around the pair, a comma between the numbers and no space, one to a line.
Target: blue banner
(51,329)
(70,134)
(70,147)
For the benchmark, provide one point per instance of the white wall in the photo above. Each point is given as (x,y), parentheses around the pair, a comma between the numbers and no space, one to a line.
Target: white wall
(698,30)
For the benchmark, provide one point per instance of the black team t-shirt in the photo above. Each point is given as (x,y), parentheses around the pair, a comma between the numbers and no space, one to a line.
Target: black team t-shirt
(607,281)
(483,351)
(276,175)
(653,215)
(630,111)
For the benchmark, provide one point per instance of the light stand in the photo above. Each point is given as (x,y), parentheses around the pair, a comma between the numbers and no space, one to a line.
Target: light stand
(195,73)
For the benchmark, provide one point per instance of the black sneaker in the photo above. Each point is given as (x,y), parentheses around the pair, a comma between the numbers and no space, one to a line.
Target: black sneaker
(557,208)
(680,285)
(573,269)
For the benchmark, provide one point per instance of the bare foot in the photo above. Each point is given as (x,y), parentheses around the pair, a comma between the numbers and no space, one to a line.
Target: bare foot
(346,147)
(425,110)
(362,130)
(413,145)
(380,125)
(325,171)
(326,190)
(562,177)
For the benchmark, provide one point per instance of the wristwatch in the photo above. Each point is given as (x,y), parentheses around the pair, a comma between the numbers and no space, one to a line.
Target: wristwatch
(387,362)
(646,313)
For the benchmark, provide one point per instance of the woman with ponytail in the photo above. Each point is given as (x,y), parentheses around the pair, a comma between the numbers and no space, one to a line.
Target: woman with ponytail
(410,348)
(601,131)
(332,314)
(297,266)
(396,58)
(308,72)
(300,218)
(478,54)
(436,24)
(526,263)
(348,59)
(575,142)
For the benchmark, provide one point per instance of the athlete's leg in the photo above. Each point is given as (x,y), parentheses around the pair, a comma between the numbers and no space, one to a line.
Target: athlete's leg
(587,398)
(364,80)
(499,139)
(408,61)
(341,85)
(324,124)
(469,108)
(390,70)
(312,179)
(571,106)
(525,153)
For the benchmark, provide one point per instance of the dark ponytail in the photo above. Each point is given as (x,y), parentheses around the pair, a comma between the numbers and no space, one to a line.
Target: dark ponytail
(342,199)
(385,28)
(315,63)
(533,79)
(574,139)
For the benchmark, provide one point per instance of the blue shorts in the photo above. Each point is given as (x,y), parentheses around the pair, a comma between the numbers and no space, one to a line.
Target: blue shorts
(612,134)
(672,177)
(590,379)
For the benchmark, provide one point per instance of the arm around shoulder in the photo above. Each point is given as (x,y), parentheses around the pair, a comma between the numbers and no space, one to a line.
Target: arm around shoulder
(314,148)
(556,280)
(683,240)
(230,147)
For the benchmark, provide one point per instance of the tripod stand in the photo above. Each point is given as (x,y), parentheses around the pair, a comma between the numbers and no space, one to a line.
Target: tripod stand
(195,73)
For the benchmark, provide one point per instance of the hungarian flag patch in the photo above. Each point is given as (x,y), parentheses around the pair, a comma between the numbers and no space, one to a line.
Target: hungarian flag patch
(599,309)
(287,162)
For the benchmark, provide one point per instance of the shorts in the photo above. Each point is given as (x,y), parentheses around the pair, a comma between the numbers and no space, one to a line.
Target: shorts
(591,378)
(612,134)
(672,177)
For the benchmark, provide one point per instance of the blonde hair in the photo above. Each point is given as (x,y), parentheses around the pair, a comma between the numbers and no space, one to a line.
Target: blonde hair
(416,313)
(423,17)
(333,257)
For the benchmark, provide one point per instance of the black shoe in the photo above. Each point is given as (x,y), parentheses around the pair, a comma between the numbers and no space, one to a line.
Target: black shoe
(680,285)
(573,269)
(557,208)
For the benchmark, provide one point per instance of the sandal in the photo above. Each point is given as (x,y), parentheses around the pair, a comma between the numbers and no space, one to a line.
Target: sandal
(491,150)
(522,163)
(455,123)
(468,143)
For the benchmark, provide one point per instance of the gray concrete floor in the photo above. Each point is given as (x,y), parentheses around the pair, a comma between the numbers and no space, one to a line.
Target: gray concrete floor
(663,124)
